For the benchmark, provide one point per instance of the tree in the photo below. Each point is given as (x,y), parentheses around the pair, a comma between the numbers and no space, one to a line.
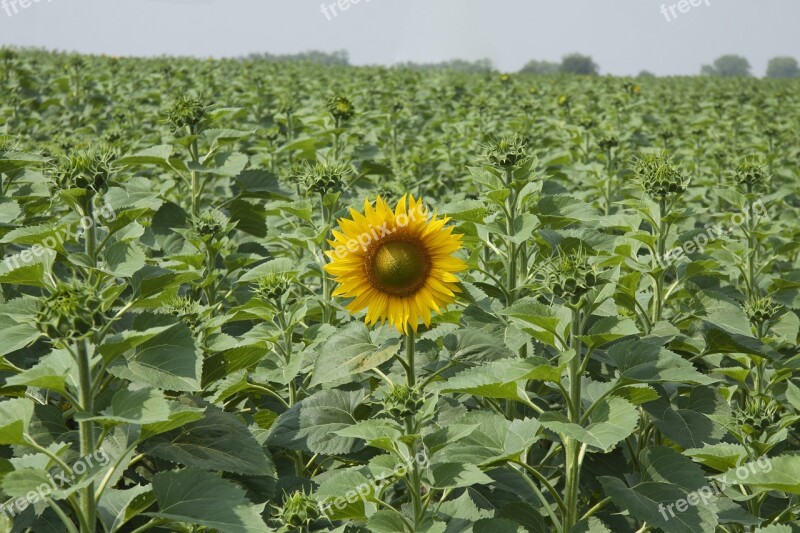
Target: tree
(728,66)
(646,74)
(783,67)
(578,64)
(540,67)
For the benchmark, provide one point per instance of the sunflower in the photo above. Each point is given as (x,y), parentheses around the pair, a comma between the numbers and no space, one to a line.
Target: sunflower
(396,263)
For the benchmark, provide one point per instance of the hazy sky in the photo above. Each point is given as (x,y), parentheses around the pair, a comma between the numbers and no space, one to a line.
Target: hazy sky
(623,36)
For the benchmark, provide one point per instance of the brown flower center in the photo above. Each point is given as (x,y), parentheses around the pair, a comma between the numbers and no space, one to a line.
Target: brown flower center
(398,267)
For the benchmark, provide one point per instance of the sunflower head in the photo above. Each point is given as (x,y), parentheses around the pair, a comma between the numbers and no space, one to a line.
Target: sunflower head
(341,109)
(660,176)
(186,112)
(750,175)
(398,264)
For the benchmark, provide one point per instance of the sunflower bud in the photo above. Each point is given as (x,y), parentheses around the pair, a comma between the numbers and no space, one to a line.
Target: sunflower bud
(272,287)
(564,100)
(587,122)
(323,178)
(211,225)
(341,109)
(659,176)
(186,112)
(507,153)
(299,509)
(571,276)
(607,142)
(750,175)
(403,401)
(760,310)
(88,169)
(70,312)
(758,420)
(185,309)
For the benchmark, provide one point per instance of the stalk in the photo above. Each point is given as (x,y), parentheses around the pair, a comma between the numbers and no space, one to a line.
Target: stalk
(410,372)
(572,447)
(511,247)
(658,292)
(415,481)
(752,245)
(86,431)
(195,154)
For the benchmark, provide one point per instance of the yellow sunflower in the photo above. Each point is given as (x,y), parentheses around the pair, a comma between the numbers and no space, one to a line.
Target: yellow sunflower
(397,263)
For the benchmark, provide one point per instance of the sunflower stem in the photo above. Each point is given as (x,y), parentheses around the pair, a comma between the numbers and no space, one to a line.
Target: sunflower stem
(86,431)
(572,447)
(410,372)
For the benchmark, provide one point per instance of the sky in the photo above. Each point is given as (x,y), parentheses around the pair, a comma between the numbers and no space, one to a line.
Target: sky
(623,36)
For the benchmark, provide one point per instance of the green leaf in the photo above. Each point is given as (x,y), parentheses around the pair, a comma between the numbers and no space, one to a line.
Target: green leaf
(156,155)
(217,442)
(721,457)
(15,417)
(611,421)
(379,433)
(690,423)
(386,522)
(351,351)
(720,340)
(197,497)
(780,473)
(52,372)
(151,280)
(646,361)
(169,360)
(456,475)
(672,494)
(117,507)
(311,424)
(546,324)
(500,379)
(143,406)
(494,440)
(124,259)
(609,329)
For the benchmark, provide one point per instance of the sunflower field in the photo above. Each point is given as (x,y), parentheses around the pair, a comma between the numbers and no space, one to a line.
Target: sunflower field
(246,296)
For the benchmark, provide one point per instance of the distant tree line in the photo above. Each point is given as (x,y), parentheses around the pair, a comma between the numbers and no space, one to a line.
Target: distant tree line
(570,64)
(339,57)
(460,65)
(725,66)
(738,66)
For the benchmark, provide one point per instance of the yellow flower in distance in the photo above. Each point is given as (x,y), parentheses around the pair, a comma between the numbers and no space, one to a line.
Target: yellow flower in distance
(397,263)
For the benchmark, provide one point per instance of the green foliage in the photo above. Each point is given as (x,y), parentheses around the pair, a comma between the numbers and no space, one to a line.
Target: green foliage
(624,339)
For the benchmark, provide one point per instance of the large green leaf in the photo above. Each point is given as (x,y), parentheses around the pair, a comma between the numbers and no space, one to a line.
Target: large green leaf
(311,424)
(15,417)
(194,496)
(611,421)
(217,442)
(351,351)
(170,360)
(646,361)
